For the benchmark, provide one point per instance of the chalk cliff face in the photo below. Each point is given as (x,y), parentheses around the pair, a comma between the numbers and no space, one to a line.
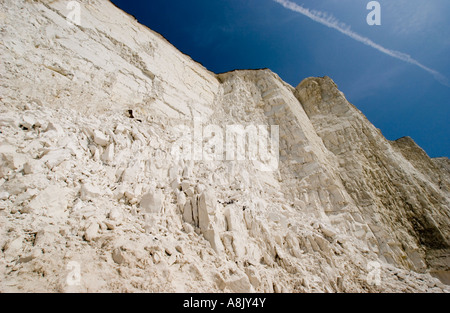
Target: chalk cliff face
(102,187)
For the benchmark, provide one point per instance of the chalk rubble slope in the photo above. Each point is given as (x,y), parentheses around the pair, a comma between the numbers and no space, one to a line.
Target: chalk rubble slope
(90,116)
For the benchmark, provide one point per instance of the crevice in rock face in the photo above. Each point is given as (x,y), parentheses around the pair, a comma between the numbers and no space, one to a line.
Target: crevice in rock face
(427,232)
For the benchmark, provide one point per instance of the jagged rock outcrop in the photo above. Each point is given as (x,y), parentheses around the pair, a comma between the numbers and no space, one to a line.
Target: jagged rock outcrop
(408,200)
(101,172)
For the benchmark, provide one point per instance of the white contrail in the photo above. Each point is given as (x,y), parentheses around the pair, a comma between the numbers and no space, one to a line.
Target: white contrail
(332,22)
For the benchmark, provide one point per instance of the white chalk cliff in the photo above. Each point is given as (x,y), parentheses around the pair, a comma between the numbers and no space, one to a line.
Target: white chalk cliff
(93,200)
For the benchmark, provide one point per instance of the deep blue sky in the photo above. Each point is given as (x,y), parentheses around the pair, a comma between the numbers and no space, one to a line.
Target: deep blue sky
(399,98)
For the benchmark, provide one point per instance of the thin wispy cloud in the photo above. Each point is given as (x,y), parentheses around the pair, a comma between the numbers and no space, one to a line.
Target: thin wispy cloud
(330,21)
